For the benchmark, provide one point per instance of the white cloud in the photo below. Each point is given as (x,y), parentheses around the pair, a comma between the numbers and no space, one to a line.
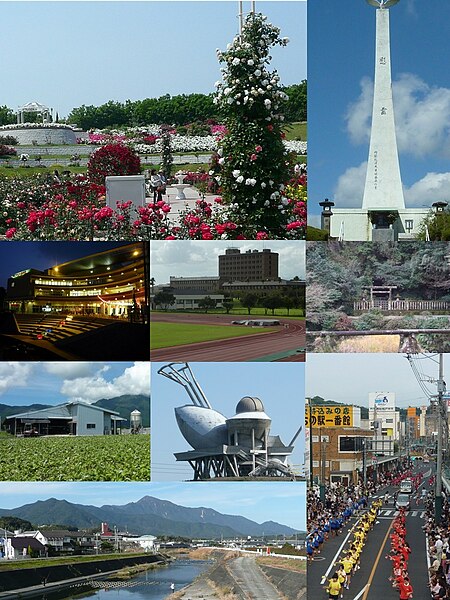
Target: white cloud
(71,370)
(350,187)
(134,380)
(422,116)
(433,187)
(14,374)
(359,114)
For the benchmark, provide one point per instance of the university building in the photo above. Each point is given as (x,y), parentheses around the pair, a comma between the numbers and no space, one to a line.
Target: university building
(110,284)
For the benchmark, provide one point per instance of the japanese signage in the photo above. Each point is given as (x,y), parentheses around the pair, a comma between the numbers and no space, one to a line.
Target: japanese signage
(329,416)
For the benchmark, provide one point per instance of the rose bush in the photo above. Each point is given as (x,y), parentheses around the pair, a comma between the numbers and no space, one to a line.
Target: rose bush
(112,159)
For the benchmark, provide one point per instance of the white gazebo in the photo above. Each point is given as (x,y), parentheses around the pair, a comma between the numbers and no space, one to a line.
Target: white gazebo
(34,107)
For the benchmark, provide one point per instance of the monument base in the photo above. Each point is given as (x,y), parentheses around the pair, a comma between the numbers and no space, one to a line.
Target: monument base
(361,225)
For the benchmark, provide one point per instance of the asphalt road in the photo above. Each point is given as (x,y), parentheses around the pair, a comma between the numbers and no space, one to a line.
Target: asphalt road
(371,582)
(289,337)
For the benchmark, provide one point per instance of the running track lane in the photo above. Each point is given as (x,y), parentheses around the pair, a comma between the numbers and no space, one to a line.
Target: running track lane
(290,336)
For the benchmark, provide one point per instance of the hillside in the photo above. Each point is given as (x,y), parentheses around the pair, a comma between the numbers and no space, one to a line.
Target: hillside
(126,404)
(148,515)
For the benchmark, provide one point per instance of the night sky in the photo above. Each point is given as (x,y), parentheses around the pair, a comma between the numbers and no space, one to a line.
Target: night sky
(18,256)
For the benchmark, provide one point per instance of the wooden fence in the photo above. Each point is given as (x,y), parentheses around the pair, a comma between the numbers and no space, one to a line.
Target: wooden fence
(402,305)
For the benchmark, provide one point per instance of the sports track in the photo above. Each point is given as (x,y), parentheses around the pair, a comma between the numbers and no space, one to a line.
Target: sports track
(290,336)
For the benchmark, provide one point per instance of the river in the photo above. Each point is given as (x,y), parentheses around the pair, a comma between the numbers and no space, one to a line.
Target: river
(153,584)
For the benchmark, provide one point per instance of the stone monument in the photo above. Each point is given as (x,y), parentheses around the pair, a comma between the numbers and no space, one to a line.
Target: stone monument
(383,216)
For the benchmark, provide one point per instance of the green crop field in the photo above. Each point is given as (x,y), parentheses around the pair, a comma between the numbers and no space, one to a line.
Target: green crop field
(90,458)
(164,335)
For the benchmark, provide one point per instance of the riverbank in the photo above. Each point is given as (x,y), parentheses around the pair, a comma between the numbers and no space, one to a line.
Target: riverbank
(237,577)
(36,579)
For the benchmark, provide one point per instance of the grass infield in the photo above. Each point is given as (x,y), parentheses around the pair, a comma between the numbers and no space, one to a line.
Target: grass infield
(165,335)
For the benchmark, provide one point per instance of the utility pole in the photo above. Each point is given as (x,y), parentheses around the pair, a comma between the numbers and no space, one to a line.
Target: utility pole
(441,414)
(364,463)
(311,476)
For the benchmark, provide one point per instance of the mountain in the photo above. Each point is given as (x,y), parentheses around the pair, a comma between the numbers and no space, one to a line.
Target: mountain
(148,515)
(6,410)
(126,404)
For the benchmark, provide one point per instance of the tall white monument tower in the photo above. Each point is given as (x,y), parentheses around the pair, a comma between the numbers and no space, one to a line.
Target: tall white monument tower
(383,189)
(382,216)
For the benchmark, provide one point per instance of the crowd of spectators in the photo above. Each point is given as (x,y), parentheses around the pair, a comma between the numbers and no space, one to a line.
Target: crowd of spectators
(438,549)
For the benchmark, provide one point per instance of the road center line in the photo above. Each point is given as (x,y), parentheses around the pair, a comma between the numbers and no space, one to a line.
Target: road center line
(377,560)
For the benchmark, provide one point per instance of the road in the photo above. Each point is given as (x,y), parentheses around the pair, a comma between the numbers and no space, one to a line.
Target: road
(251,579)
(371,582)
(273,346)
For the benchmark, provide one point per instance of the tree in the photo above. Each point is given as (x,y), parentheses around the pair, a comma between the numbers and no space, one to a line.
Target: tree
(297,103)
(7,116)
(107,546)
(287,302)
(252,167)
(164,299)
(228,305)
(438,226)
(249,301)
(206,303)
(272,302)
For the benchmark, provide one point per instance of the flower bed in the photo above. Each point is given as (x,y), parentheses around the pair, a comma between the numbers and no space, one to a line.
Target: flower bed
(40,209)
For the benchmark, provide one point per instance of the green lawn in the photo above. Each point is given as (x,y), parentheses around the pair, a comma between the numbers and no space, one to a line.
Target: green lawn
(90,458)
(295,131)
(164,335)
(32,563)
(31,171)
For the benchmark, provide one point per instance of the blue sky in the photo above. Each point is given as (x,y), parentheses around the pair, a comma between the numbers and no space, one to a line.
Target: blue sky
(341,52)
(24,383)
(280,386)
(375,373)
(65,54)
(281,502)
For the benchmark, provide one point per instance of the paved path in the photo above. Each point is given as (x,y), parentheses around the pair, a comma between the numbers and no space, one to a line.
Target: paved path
(251,579)
(287,339)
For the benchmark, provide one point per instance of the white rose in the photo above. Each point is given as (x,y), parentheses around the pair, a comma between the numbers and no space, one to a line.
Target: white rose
(257,72)
(252,181)
(221,161)
(240,179)
(248,181)
(236,61)
(263,185)
(250,62)
(266,203)
(236,173)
